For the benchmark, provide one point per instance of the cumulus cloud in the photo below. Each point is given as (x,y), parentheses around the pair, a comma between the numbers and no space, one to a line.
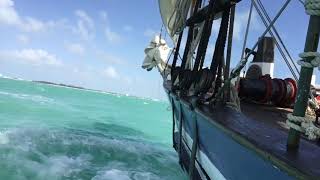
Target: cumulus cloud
(240,23)
(31,56)
(75,48)
(9,16)
(85,25)
(112,36)
(112,59)
(110,72)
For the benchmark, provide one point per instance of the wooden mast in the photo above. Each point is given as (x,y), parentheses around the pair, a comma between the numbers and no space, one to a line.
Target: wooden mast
(301,104)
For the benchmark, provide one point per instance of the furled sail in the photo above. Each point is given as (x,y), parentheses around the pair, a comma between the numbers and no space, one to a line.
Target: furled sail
(174,14)
(156,56)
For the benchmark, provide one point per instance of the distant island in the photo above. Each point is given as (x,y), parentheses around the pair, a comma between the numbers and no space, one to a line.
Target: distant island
(60,84)
(77,87)
(82,88)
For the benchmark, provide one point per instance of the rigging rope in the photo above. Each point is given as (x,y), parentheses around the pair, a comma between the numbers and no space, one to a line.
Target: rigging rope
(235,72)
(218,55)
(190,38)
(301,1)
(264,20)
(165,68)
(161,29)
(202,48)
(246,34)
(280,40)
(174,143)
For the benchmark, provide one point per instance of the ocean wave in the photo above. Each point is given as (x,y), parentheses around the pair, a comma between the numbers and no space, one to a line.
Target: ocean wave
(3,138)
(112,174)
(13,78)
(47,153)
(6,77)
(34,98)
(116,174)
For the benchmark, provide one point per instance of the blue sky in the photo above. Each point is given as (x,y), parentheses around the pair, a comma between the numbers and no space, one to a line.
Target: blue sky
(99,44)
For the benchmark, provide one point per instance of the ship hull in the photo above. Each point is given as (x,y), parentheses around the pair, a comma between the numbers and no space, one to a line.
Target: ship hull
(221,153)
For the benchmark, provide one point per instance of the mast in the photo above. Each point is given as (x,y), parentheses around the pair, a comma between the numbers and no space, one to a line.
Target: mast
(311,45)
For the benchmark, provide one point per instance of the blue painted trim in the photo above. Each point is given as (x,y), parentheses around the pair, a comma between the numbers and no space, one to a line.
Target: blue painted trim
(231,158)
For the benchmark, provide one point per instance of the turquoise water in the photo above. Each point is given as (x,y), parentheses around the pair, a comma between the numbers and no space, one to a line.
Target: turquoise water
(49,132)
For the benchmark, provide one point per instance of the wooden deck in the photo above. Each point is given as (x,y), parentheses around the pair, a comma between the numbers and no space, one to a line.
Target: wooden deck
(265,128)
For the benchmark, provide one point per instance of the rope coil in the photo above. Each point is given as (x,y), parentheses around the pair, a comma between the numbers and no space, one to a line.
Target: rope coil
(307,127)
(315,62)
(312,7)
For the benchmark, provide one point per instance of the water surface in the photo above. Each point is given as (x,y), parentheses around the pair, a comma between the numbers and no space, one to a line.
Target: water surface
(49,132)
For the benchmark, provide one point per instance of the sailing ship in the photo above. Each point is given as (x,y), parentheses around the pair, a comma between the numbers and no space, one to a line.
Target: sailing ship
(228,125)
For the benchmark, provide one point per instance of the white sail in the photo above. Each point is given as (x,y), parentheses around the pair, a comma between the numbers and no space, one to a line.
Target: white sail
(156,56)
(174,15)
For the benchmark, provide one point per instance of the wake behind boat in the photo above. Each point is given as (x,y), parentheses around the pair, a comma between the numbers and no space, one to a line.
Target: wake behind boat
(228,125)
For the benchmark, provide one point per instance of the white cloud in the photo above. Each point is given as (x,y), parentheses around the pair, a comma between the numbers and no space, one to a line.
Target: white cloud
(31,56)
(9,16)
(112,59)
(150,32)
(85,25)
(112,36)
(127,28)
(75,48)
(240,23)
(33,25)
(110,72)
(24,39)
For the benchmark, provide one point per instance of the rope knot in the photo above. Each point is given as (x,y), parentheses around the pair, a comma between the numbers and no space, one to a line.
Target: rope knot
(315,62)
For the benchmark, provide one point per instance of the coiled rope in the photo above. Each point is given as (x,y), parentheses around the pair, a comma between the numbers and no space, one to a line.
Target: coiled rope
(315,62)
(309,60)
(306,126)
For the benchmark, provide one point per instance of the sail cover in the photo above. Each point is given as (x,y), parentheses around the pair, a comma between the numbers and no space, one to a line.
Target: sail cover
(174,15)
